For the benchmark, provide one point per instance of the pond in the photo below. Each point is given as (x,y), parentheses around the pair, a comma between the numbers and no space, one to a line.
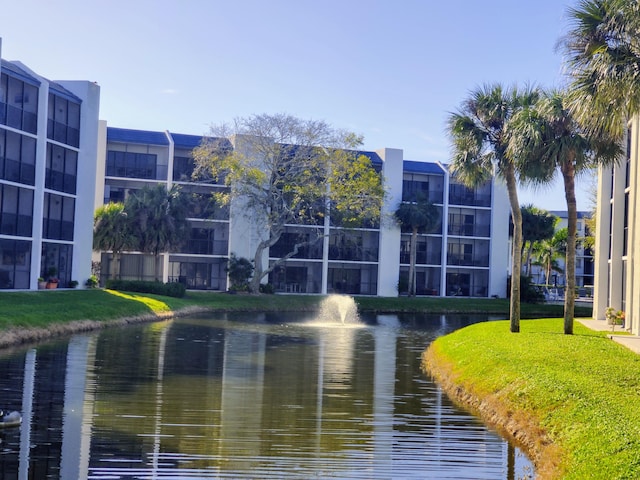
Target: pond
(244,396)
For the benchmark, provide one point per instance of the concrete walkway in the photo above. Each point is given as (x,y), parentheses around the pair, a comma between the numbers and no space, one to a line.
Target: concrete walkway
(632,342)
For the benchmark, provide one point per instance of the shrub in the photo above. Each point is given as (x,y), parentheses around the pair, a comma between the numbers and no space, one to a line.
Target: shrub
(266,288)
(240,271)
(172,289)
(530,293)
(92,282)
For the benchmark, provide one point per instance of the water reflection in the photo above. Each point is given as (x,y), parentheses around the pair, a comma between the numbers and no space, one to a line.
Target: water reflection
(237,396)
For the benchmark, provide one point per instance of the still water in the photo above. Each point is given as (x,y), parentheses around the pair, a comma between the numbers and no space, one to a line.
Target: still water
(244,396)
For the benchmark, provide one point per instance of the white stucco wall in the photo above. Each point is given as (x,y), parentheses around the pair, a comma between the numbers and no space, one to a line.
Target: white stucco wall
(89,92)
(389,258)
(499,260)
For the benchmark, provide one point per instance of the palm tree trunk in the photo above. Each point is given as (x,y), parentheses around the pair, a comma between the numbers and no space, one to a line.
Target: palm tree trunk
(412,263)
(516,255)
(115,265)
(568,175)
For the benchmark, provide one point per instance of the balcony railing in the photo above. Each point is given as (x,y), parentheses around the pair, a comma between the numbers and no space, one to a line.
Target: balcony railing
(353,254)
(467,198)
(468,260)
(467,230)
(422,258)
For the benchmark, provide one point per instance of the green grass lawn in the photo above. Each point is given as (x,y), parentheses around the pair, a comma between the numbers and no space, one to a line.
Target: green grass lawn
(583,389)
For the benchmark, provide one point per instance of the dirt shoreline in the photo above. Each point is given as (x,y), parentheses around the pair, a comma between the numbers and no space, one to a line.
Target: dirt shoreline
(524,430)
(15,337)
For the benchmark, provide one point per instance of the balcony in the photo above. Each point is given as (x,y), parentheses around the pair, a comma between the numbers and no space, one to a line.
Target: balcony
(469,230)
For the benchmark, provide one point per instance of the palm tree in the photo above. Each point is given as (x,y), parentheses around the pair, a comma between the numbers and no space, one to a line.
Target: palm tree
(420,216)
(537,225)
(112,232)
(548,251)
(160,223)
(603,56)
(547,139)
(479,132)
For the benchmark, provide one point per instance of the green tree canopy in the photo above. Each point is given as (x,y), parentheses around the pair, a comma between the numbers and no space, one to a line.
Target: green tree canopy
(159,219)
(284,170)
(548,251)
(112,232)
(602,49)
(537,225)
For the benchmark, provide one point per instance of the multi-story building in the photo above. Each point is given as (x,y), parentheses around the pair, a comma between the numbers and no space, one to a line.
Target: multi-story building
(465,255)
(617,267)
(48,143)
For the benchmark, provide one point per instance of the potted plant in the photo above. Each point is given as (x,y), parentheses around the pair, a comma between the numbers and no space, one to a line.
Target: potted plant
(73,284)
(42,284)
(614,317)
(52,281)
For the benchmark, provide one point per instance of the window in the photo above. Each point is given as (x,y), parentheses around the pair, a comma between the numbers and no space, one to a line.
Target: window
(17,157)
(61,170)
(16,211)
(15,264)
(58,217)
(207,274)
(131,165)
(57,256)
(207,241)
(182,169)
(18,104)
(63,122)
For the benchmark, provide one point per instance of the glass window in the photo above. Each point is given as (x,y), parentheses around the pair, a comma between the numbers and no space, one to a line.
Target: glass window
(63,120)
(18,104)
(17,157)
(15,264)
(3,99)
(61,169)
(16,210)
(59,257)
(58,217)
(131,165)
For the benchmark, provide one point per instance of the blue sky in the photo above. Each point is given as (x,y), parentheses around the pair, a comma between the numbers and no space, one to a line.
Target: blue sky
(390,70)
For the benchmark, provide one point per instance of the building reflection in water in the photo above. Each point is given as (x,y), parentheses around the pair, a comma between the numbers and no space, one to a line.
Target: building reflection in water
(212,396)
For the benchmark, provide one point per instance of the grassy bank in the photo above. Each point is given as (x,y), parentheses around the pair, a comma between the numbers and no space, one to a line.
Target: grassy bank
(570,399)
(40,309)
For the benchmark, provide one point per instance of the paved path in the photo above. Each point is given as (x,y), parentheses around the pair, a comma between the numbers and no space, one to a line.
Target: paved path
(632,342)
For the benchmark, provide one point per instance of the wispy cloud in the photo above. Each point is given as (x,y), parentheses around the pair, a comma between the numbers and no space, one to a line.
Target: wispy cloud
(169,91)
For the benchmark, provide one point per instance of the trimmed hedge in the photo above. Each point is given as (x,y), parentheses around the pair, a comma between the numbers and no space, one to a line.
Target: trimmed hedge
(173,289)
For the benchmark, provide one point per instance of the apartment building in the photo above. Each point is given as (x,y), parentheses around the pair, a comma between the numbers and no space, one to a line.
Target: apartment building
(617,283)
(465,256)
(48,149)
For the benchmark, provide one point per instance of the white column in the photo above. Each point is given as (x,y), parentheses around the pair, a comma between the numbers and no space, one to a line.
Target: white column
(76,422)
(27,413)
(389,246)
(633,281)
(384,376)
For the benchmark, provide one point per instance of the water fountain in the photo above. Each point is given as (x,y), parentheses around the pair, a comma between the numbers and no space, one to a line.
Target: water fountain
(339,308)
